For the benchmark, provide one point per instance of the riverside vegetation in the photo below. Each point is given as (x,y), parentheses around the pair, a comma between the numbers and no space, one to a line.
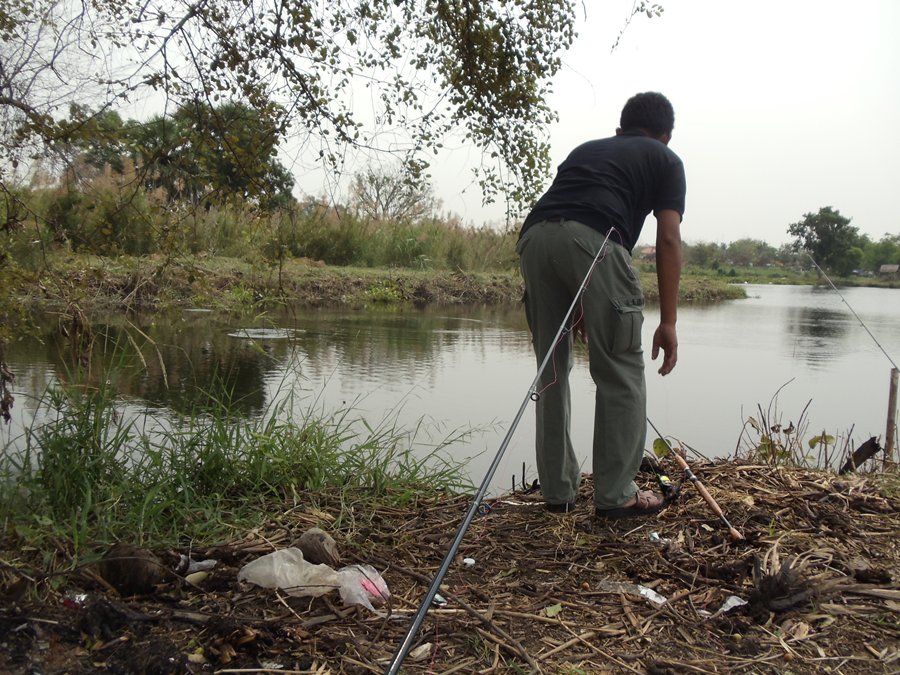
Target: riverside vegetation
(214,484)
(109,244)
(817,567)
(75,252)
(113,248)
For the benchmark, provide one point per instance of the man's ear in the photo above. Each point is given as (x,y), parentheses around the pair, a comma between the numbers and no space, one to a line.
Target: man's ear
(618,131)
(665,138)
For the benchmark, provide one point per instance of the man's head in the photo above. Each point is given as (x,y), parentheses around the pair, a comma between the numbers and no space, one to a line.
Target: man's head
(650,112)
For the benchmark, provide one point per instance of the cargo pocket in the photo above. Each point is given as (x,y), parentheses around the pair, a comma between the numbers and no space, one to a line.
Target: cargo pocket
(523,242)
(629,320)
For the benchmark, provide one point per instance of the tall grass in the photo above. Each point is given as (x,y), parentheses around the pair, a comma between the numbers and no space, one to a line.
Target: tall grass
(107,215)
(91,472)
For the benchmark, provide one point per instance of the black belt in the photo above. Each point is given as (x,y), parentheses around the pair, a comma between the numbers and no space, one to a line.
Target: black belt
(615,235)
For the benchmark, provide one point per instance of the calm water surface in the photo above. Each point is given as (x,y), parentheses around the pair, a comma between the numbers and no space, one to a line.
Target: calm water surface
(467,368)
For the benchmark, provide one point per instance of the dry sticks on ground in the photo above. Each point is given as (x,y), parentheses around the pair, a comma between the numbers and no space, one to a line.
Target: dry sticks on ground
(814,584)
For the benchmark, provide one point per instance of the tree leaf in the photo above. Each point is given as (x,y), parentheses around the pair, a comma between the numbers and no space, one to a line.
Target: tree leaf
(824,439)
(661,448)
(553,610)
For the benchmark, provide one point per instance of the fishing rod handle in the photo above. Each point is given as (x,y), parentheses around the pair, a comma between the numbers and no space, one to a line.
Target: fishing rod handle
(708,498)
(713,504)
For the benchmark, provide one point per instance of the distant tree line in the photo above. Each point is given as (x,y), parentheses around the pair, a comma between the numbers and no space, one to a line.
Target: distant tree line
(828,238)
(740,253)
(825,237)
(207,178)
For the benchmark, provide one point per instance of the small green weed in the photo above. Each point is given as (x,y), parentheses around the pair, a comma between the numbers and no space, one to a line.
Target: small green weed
(766,438)
(384,293)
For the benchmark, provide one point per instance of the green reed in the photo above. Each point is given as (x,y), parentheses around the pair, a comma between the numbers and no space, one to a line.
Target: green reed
(91,469)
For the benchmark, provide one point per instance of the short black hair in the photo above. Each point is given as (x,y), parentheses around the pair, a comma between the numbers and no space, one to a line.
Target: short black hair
(650,111)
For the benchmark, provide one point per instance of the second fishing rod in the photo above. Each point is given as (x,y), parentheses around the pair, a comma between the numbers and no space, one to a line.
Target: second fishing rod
(531,395)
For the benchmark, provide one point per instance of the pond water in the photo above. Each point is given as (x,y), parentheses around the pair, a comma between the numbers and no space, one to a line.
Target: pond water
(786,348)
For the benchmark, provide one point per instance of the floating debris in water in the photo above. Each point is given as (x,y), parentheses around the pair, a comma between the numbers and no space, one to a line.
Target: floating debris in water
(264,333)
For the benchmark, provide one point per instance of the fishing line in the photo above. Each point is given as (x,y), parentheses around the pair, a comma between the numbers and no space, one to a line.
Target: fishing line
(852,310)
(531,395)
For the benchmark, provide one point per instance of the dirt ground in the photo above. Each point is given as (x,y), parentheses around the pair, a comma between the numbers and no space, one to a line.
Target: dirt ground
(818,571)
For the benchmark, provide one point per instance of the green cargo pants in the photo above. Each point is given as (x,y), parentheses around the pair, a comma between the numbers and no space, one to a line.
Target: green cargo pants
(555,257)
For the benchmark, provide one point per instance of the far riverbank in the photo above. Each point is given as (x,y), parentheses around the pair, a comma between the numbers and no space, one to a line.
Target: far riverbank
(155,283)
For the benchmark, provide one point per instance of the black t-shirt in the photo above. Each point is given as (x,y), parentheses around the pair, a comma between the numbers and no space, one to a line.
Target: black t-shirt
(614,182)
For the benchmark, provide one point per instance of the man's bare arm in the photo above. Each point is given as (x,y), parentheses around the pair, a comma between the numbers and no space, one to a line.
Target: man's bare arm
(668,274)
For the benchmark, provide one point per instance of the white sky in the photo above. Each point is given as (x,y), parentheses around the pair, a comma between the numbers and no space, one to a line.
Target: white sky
(781,107)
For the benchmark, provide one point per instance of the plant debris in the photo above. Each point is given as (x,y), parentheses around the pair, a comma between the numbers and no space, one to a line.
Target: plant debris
(813,588)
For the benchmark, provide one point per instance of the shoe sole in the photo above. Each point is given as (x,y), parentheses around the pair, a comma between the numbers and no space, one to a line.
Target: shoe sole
(627,512)
(568,507)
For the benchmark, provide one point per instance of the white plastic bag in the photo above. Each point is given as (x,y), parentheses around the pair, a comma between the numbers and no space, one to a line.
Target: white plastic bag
(289,571)
(286,569)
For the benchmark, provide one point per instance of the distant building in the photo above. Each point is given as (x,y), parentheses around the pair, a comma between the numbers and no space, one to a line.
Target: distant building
(889,269)
(647,253)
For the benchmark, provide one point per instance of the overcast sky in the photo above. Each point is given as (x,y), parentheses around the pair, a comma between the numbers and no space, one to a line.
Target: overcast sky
(781,107)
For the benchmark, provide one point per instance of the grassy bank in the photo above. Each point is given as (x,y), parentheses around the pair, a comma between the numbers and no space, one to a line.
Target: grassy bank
(156,283)
(90,471)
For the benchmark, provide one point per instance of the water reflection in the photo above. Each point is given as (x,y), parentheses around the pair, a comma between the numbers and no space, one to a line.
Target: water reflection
(190,362)
(183,367)
(470,367)
(816,333)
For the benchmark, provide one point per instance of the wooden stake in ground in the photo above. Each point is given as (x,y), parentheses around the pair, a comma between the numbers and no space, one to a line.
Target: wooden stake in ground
(892,417)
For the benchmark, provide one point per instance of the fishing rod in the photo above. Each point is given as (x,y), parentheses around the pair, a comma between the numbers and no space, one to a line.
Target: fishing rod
(732,530)
(531,395)
(827,278)
(670,491)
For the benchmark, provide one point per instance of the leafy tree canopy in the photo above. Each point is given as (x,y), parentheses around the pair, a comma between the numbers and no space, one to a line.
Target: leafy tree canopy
(829,238)
(886,251)
(199,154)
(428,68)
(749,252)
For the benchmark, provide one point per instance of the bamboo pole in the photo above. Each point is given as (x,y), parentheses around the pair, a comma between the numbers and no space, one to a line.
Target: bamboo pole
(891,431)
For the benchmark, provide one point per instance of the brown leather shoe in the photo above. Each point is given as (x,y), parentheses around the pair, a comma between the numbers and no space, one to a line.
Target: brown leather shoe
(645,503)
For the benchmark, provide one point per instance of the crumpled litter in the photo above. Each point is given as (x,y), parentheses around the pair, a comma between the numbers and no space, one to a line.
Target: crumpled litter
(187,565)
(656,539)
(730,603)
(287,570)
(632,589)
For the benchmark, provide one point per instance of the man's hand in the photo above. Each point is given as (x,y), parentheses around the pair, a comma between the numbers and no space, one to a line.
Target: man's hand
(666,339)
